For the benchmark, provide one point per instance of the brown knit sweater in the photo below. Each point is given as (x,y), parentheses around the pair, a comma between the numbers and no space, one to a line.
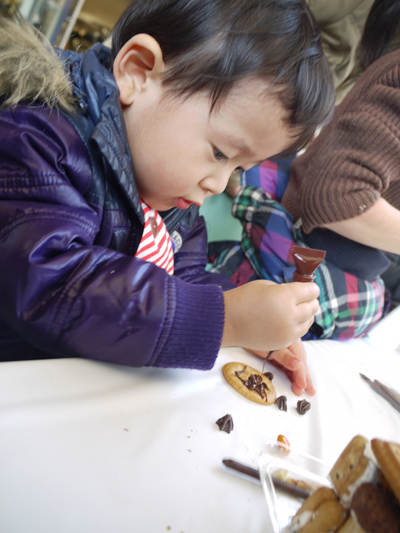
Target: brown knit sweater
(356,158)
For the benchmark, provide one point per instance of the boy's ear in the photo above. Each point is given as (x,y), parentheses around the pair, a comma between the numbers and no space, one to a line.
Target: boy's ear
(138,63)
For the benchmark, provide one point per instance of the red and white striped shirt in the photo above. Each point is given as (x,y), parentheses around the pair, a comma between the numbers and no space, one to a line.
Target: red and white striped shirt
(155,246)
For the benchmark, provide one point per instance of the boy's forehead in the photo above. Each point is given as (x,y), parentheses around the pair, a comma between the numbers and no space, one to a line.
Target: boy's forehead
(265,117)
(254,89)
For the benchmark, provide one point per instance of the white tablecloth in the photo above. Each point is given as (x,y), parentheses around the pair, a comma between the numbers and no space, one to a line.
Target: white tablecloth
(91,447)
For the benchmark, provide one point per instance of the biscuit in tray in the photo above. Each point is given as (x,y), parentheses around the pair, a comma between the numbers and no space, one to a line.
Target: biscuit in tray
(388,456)
(250,383)
(376,509)
(351,526)
(355,465)
(320,513)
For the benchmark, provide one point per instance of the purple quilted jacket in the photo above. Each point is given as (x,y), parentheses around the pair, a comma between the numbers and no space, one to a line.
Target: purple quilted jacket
(70,223)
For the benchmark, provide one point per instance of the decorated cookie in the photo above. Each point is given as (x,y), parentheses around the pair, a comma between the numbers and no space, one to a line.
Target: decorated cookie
(388,456)
(320,513)
(355,466)
(250,383)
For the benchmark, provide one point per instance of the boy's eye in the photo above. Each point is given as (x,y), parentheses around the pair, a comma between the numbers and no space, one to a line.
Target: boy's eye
(219,156)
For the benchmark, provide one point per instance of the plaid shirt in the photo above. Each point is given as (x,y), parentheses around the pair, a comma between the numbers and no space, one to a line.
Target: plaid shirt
(348,306)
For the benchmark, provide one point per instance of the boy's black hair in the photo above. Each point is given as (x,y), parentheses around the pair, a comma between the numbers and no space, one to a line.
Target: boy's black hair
(209,45)
(381,26)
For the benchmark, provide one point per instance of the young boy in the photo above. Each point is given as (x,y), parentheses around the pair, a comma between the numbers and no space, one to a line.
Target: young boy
(101,170)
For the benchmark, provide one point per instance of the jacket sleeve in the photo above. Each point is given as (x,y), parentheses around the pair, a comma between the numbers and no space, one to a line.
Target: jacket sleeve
(67,296)
(191,260)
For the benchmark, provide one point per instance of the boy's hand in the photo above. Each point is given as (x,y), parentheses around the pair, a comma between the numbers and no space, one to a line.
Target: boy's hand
(262,315)
(293,360)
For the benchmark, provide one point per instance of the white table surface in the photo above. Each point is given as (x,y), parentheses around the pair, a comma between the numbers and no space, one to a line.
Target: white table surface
(92,447)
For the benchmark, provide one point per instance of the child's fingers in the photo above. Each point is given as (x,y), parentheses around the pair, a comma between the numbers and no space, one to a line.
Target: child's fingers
(305,291)
(310,386)
(286,358)
(303,327)
(307,309)
(298,368)
(294,361)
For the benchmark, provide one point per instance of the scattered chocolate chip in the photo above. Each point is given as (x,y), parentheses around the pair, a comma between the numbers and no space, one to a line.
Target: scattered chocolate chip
(269,375)
(225,423)
(303,406)
(281,403)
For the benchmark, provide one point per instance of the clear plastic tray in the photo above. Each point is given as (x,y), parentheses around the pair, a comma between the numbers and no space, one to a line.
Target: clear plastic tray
(299,469)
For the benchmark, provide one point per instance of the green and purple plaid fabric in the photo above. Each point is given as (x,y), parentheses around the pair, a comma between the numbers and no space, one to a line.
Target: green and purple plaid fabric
(349,306)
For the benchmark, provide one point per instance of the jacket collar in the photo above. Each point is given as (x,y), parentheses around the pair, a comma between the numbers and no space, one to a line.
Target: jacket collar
(98,96)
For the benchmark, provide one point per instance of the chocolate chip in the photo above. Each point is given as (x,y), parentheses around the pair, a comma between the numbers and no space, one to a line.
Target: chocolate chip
(269,375)
(225,423)
(303,406)
(281,403)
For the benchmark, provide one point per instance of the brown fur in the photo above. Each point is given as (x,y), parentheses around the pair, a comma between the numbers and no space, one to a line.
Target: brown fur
(30,70)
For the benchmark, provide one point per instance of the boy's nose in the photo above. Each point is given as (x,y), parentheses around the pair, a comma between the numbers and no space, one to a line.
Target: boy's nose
(216,183)
(220,181)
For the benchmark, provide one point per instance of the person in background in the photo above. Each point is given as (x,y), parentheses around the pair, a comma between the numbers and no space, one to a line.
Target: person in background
(342,26)
(345,26)
(107,156)
(343,196)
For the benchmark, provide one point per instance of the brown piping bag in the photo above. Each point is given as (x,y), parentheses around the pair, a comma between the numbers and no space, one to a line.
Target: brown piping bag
(307,261)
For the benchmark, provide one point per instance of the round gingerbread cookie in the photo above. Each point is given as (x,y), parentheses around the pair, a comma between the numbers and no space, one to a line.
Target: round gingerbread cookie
(250,383)
(351,526)
(320,513)
(388,456)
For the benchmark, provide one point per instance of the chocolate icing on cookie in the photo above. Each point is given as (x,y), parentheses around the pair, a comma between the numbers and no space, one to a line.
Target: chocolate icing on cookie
(254,382)
(250,383)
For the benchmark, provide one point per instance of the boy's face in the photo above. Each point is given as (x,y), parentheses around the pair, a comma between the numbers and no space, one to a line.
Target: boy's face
(183,154)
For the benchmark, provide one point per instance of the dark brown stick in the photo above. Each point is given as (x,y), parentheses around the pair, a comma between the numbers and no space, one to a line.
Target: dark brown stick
(381,390)
(284,486)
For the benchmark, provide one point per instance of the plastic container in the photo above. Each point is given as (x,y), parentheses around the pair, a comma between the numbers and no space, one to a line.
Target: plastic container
(299,469)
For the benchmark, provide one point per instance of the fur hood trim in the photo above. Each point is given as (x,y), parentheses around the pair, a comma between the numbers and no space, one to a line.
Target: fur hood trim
(30,70)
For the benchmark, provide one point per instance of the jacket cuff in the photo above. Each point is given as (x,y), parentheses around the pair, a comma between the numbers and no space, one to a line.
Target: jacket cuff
(193,326)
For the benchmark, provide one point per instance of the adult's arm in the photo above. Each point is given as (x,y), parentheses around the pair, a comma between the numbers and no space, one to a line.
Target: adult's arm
(378,227)
(354,161)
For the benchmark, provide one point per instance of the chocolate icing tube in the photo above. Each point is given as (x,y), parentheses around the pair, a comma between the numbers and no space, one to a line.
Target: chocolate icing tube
(307,261)
(284,486)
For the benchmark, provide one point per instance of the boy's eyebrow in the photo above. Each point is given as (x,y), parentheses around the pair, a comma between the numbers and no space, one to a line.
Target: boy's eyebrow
(237,142)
